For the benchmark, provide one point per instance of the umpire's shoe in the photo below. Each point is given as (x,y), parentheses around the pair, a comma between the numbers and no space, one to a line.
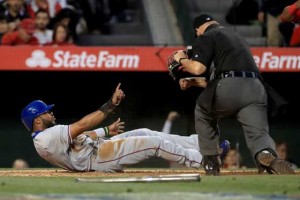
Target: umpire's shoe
(211,165)
(269,162)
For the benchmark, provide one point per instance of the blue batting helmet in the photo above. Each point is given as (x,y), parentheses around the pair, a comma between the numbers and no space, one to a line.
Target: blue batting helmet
(33,110)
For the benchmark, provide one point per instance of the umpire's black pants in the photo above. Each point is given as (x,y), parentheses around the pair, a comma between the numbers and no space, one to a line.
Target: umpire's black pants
(247,99)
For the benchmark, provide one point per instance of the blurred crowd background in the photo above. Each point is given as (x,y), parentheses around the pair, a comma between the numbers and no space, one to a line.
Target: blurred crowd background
(141,22)
(150,96)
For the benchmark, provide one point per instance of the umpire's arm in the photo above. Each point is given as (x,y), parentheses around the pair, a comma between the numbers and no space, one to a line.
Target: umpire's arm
(191,66)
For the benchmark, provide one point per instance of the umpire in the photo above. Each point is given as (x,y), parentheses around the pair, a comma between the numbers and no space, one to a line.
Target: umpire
(236,89)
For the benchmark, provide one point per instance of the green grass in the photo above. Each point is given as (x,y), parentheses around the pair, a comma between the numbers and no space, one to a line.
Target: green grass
(254,184)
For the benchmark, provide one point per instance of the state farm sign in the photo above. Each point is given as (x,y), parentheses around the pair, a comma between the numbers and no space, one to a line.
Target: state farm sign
(277,62)
(66,59)
(119,59)
(277,59)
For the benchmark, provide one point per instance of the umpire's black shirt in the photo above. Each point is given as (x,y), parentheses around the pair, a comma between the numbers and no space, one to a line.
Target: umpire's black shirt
(226,49)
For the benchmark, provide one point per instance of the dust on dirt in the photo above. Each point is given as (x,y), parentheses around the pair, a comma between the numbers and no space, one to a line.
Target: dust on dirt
(127,172)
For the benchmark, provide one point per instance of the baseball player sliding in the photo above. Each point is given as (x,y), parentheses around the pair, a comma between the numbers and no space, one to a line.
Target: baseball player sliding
(81,147)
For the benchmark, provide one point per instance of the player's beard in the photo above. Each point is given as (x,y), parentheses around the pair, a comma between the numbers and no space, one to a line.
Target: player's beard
(48,123)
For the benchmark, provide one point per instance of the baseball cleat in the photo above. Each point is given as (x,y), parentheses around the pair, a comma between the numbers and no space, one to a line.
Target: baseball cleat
(272,164)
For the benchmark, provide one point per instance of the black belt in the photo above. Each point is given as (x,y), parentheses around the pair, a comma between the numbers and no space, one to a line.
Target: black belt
(243,74)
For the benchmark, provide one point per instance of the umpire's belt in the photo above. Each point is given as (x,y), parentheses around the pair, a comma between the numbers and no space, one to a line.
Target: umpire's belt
(243,74)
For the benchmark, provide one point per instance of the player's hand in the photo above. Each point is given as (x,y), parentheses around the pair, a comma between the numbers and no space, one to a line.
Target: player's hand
(118,95)
(116,128)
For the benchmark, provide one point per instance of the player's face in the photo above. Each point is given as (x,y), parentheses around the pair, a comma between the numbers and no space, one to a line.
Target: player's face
(48,119)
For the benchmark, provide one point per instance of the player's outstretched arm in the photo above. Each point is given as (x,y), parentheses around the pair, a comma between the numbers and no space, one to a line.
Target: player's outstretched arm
(93,119)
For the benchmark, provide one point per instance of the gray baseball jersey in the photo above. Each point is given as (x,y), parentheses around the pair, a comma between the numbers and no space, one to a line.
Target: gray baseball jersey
(56,146)
(84,154)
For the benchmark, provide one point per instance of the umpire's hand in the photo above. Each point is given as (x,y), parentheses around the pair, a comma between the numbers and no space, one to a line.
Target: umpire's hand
(188,82)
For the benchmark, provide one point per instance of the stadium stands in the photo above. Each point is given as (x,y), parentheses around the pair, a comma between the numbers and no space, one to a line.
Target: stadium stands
(130,33)
(219,8)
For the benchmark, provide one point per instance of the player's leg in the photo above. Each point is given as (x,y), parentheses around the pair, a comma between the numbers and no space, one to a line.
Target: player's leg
(188,142)
(113,155)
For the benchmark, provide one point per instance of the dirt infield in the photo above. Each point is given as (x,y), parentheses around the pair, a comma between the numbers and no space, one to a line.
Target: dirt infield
(126,173)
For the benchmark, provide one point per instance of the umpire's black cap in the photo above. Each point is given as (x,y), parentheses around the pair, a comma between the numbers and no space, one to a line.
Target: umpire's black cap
(201,19)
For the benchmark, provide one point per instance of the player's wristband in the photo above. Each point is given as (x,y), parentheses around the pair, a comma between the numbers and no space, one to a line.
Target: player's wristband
(100,132)
(106,129)
(181,60)
(108,107)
